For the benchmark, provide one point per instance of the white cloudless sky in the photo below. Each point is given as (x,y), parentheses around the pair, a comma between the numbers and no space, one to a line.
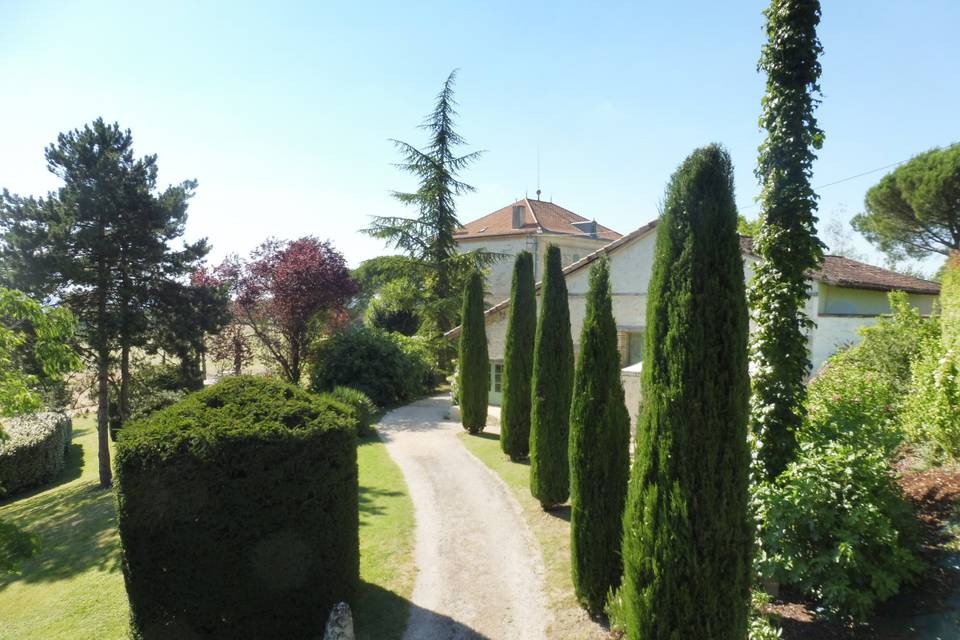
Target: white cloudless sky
(282,111)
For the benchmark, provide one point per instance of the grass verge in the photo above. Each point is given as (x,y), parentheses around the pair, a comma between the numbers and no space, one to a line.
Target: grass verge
(73,588)
(552,530)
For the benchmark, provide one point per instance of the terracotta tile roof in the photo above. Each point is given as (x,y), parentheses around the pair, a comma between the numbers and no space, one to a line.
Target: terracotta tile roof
(844,272)
(835,270)
(539,217)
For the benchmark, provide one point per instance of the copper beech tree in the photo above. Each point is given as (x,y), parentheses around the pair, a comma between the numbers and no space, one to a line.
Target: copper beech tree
(289,290)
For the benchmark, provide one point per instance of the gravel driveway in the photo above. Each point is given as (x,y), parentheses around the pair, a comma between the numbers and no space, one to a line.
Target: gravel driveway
(480,573)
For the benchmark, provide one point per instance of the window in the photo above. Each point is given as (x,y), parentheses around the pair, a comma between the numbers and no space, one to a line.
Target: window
(497,380)
(630,346)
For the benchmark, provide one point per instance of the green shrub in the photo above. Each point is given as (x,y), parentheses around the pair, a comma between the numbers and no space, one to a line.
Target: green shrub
(687,534)
(931,412)
(853,404)
(835,525)
(33,451)
(518,360)
(599,451)
(238,513)
(551,389)
(473,364)
(950,301)
(362,405)
(387,367)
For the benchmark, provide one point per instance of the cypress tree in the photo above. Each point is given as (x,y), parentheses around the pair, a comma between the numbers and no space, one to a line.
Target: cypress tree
(599,450)
(687,534)
(950,302)
(518,360)
(474,375)
(551,388)
(787,243)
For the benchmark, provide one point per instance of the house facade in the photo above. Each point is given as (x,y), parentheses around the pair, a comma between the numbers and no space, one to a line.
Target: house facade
(530,225)
(845,296)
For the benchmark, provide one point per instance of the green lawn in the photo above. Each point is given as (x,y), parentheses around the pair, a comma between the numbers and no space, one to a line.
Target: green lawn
(73,589)
(552,530)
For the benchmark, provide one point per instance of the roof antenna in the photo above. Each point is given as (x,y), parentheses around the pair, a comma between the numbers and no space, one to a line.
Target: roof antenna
(538,172)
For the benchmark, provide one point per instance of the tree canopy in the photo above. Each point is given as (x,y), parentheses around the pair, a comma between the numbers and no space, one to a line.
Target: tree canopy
(915,209)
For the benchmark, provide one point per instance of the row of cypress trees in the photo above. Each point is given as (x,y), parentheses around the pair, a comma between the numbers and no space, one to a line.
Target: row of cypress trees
(677,535)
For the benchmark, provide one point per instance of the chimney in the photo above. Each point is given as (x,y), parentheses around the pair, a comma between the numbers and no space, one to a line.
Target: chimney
(517,216)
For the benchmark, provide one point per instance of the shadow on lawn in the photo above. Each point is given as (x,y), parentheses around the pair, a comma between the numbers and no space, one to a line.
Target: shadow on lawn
(75,526)
(381,614)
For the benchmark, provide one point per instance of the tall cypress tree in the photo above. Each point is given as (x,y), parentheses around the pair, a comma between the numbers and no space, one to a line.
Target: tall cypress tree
(599,450)
(550,389)
(518,360)
(687,534)
(787,244)
(474,375)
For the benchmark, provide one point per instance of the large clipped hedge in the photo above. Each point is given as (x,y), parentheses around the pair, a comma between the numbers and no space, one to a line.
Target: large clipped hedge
(34,450)
(238,513)
(388,367)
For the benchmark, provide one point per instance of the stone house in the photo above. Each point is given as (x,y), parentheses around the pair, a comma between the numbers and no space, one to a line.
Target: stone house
(845,296)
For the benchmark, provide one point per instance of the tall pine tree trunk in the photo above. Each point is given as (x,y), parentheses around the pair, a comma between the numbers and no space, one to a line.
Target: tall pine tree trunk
(124,403)
(103,373)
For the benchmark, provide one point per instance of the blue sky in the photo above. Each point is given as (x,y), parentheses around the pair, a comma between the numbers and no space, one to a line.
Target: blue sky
(282,111)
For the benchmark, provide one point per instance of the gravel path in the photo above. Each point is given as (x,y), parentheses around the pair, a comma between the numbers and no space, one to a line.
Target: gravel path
(480,573)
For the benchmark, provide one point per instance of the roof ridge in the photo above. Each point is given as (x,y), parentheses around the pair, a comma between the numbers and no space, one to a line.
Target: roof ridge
(533,213)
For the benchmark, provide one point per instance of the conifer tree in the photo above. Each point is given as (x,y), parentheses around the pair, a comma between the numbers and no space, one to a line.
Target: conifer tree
(474,374)
(687,534)
(518,360)
(551,388)
(950,302)
(787,243)
(599,450)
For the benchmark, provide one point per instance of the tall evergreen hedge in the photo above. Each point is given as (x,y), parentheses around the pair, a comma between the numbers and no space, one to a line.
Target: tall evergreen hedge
(599,450)
(474,372)
(518,360)
(551,388)
(950,302)
(238,513)
(687,534)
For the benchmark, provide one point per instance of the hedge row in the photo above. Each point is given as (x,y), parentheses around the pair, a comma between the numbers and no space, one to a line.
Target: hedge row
(238,512)
(34,451)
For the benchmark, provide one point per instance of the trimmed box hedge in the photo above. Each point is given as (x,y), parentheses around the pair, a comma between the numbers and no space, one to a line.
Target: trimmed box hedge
(238,513)
(34,450)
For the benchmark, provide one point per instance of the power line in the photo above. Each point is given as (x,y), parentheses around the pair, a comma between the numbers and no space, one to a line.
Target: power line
(830,184)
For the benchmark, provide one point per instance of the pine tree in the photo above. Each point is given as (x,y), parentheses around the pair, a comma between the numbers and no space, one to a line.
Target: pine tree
(551,388)
(474,374)
(518,360)
(687,534)
(599,450)
(787,244)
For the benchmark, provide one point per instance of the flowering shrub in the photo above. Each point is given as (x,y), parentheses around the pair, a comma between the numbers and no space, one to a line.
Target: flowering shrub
(835,525)
(34,450)
(852,404)
(931,411)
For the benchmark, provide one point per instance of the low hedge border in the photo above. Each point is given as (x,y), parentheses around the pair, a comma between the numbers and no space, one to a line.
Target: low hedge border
(238,512)
(34,450)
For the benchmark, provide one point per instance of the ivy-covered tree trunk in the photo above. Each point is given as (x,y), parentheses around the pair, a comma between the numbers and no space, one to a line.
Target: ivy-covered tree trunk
(474,362)
(787,244)
(518,360)
(551,387)
(599,451)
(687,534)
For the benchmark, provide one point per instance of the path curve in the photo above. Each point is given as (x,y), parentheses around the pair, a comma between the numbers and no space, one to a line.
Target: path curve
(480,572)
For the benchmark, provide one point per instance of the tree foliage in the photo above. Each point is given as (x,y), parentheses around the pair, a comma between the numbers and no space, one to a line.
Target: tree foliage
(787,243)
(428,238)
(102,244)
(47,333)
(551,389)
(950,302)
(474,363)
(286,291)
(518,360)
(915,209)
(599,451)
(687,534)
